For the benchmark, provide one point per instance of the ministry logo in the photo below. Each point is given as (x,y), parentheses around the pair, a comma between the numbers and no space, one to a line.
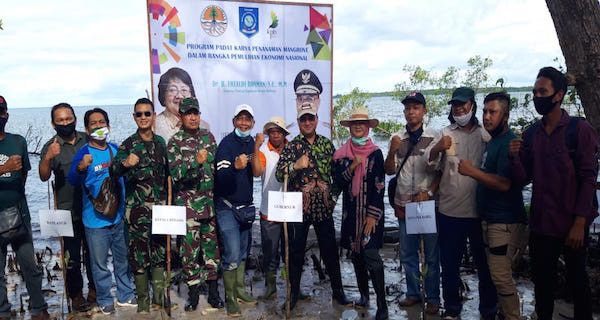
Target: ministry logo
(213,20)
(271,30)
(248,21)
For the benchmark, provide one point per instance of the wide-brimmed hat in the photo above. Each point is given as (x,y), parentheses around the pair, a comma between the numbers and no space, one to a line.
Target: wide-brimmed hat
(360,114)
(275,122)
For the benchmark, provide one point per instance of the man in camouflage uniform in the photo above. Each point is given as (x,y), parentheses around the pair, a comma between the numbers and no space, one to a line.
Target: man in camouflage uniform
(142,160)
(191,154)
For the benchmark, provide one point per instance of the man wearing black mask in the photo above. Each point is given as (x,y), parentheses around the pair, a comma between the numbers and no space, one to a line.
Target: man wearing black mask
(558,155)
(499,202)
(56,157)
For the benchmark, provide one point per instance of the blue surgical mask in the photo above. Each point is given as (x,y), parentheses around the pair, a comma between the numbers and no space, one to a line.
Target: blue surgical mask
(242,134)
(360,141)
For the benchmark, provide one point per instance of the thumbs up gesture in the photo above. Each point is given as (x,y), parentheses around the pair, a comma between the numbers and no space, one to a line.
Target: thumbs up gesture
(53,150)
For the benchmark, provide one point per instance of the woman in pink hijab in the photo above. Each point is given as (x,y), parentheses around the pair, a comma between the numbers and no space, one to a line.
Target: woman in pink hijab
(359,173)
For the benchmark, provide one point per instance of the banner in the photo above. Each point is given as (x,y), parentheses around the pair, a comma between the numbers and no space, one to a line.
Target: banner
(285,206)
(56,223)
(169,220)
(227,53)
(420,217)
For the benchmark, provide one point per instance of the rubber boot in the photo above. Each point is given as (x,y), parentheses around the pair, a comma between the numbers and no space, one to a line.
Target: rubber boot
(141,287)
(158,286)
(379,287)
(362,281)
(229,281)
(193,296)
(242,295)
(270,285)
(213,295)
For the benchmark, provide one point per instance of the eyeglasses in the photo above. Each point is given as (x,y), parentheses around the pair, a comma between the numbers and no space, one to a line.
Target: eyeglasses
(184,92)
(145,113)
(306,97)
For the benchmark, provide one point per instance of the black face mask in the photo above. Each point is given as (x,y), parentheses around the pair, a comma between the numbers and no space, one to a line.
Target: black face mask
(543,105)
(65,130)
(499,129)
(3,121)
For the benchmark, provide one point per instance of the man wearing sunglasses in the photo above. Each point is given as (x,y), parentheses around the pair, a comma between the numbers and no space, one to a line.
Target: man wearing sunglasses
(142,161)
(308,162)
(191,155)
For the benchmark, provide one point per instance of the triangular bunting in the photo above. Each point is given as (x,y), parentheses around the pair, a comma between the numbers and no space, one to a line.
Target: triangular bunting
(325,35)
(316,19)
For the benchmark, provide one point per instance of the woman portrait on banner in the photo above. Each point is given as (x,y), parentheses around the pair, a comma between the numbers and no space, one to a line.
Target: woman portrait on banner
(360,174)
(173,86)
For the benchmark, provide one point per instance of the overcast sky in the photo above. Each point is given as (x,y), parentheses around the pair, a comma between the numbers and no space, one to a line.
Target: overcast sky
(96,52)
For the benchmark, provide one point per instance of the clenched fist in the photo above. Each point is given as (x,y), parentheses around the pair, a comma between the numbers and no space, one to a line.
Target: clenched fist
(302,163)
(259,140)
(444,144)
(202,156)
(14,163)
(241,161)
(514,147)
(131,161)
(395,144)
(85,162)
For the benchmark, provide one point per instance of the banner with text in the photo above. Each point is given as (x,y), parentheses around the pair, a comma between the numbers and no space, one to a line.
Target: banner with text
(227,53)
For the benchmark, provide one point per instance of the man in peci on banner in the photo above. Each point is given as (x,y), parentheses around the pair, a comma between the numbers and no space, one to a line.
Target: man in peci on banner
(56,157)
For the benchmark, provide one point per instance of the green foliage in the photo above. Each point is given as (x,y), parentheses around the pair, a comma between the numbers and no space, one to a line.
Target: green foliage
(438,88)
(342,108)
(387,128)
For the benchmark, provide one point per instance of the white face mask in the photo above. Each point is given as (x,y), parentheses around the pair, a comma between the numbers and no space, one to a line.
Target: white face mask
(100,134)
(464,119)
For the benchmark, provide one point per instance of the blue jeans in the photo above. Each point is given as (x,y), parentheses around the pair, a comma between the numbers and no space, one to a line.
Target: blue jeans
(409,255)
(234,238)
(100,240)
(453,235)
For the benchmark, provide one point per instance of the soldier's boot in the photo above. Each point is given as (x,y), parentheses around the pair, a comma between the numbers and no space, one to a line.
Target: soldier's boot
(143,295)
(242,295)
(229,281)
(270,285)
(159,284)
(193,297)
(362,280)
(213,295)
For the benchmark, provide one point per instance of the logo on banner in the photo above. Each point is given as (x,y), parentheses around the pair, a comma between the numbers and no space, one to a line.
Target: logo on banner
(213,20)
(248,21)
(274,23)
(164,21)
(319,35)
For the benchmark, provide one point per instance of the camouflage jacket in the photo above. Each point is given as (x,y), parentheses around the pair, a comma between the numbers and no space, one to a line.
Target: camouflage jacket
(147,181)
(193,182)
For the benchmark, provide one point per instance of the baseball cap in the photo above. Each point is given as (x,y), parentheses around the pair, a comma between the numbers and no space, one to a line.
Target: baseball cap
(188,104)
(243,107)
(414,96)
(462,94)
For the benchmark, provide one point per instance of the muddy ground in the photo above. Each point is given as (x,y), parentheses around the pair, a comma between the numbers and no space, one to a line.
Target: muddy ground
(318,307)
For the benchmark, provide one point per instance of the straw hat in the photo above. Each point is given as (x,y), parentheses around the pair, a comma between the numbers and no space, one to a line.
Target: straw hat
(360,114)
(275,122)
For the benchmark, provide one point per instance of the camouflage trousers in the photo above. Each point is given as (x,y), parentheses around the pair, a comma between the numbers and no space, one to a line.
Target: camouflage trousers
(200,245)
(145,249)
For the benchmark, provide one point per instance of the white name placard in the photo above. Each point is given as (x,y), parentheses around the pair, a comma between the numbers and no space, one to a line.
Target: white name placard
(285,206)
(56,223)
(420,217)
(169,220)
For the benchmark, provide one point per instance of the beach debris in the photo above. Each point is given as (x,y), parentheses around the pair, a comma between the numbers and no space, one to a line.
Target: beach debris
(56,267)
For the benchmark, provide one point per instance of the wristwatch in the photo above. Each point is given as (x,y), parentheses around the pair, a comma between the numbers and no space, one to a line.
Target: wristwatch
(430,193)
